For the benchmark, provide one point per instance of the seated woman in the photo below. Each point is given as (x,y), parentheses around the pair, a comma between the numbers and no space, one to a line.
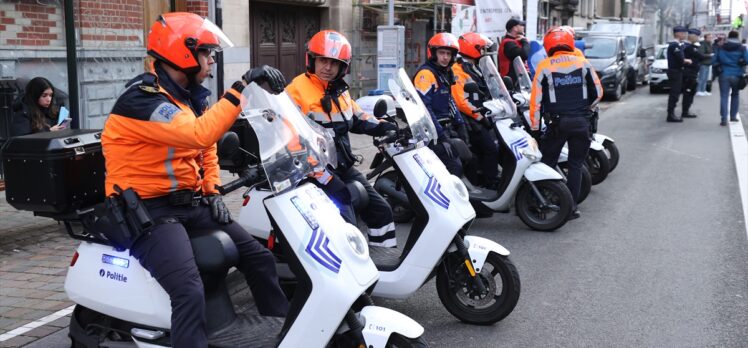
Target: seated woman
(35,111)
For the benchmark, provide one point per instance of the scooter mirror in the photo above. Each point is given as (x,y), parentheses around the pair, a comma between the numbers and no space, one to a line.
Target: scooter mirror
(228,145)
(472,87)
(380,108)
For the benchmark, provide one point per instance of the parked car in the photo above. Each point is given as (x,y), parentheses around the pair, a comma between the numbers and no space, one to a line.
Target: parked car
(639,42)
(607,54)
(658,70)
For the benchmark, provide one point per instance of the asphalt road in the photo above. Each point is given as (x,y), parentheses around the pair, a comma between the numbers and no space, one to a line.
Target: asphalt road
(658,259)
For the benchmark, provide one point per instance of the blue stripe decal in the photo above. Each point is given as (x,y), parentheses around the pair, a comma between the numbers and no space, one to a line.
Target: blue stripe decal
(516,146)
(433,191)
(319,250)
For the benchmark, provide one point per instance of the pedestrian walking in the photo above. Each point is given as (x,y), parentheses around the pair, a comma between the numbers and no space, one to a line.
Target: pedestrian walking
(730,62)
(705,68)
(675,62)
(691,71)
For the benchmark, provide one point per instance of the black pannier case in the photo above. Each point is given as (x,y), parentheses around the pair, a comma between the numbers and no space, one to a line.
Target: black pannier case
(54,173)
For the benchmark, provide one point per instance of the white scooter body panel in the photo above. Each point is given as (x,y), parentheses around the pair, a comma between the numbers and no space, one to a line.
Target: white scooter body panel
(601,138)
(381,323)
(313,227)
(448,210)
(253,217)
(479,247)
(596,146)
(540,171)
(100,281)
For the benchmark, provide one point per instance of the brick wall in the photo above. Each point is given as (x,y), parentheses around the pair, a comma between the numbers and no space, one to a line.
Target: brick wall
(199,7)
(26,23)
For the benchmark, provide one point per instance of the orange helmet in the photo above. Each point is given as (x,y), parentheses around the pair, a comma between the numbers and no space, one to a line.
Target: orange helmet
(558,38)
(176,37)
(474,45)
(442,40)
(329,44)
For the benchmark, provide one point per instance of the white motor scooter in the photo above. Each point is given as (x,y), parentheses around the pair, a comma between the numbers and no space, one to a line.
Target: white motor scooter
(475,279)
(118,302)
(603,154)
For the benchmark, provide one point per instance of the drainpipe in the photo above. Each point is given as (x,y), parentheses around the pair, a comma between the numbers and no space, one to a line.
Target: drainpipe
(72,62)
(219,55)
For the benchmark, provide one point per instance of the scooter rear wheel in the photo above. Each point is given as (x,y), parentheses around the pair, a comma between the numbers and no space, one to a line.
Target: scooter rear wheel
(599,165)
(400,341)
(499,276)
(544,218)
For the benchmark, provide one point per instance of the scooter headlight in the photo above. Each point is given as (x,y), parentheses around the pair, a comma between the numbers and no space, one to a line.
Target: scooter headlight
(532,152)
(460,188)
(357,242)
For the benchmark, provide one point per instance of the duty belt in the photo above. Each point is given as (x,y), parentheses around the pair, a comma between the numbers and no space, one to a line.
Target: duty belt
(181,198)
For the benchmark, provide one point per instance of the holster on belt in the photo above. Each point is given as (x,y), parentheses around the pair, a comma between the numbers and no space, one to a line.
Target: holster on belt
(123,218)
(594,116)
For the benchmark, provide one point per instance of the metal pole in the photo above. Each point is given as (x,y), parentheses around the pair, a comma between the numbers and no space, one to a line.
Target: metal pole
(436,17)
(72,60)
(219,55)
(443,20)
(391,13)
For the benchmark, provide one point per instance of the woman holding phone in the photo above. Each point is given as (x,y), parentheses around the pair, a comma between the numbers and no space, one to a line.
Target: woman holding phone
(36,111)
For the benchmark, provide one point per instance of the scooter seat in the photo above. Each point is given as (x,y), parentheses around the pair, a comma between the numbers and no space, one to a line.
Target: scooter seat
(248,331)
(386,259)
(214,250)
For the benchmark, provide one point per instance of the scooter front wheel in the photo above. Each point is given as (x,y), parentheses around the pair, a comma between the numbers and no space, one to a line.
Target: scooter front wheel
(459,297)
(612,150)
(599,165)
(400,341)
(585,187)
(546,217)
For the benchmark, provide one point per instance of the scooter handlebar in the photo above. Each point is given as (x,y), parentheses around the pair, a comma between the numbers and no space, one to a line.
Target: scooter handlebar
(389,137)
(247,177)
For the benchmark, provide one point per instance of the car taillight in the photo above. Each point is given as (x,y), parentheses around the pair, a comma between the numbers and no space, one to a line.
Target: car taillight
(271,241)
(74,260)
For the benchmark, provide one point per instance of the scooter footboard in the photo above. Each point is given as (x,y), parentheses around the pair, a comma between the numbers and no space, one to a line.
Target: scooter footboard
(479,247)
(381,323)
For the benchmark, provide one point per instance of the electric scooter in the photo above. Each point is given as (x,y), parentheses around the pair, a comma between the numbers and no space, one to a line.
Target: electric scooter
(538,193)
(475,279)
(119,303)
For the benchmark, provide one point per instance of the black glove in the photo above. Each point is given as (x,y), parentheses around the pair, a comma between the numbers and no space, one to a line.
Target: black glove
(387,126)
(268,74)
(218,209)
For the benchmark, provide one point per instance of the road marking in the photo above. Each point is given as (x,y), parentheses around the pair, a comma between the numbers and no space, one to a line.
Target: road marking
(34,324)
(740,153)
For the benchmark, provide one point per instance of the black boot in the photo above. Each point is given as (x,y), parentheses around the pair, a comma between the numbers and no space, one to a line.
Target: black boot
(672,118)
(688,115)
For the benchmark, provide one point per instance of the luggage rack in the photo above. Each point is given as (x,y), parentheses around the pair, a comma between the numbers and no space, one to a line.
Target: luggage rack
(86,217)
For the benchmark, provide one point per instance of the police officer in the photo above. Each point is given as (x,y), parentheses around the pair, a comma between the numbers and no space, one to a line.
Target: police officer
(565,90)
(433,82)
(691,71)
(160,140)
(323,95)
(484,143)
(675,62)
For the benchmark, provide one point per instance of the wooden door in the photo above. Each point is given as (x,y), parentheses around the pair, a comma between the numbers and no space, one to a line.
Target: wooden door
(279,35)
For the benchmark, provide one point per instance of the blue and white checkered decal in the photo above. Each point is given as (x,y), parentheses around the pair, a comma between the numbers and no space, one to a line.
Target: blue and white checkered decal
(319,250)
(517,145)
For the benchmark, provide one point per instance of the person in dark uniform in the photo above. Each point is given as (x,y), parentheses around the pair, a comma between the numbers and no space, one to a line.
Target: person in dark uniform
(675,63)
(691,71)
(565,91)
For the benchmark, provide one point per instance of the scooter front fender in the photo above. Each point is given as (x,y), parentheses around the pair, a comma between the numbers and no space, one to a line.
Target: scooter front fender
(479,247)
(380,323)
(539,171)
(601,138)
(596,146)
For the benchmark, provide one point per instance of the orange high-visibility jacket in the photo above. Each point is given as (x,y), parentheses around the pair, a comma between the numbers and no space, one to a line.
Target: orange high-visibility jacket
(466,103)
(564,84)
(156,144)
(307,91)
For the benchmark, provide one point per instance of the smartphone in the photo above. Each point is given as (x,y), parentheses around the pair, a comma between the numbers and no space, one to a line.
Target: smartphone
(65,123)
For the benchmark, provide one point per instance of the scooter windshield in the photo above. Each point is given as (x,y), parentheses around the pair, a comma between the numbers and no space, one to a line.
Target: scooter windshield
(418,117)
(496,86)
(291,146)
(523,78)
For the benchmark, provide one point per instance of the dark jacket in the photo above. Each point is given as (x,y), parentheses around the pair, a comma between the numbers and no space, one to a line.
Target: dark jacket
(434,84)
(707,50)
(728,57)
(21,124)
(691,51)
(675,55)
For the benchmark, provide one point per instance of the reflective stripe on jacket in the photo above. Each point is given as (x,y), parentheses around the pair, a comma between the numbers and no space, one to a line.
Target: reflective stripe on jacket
(435,88)
(156,144)
(466,102)
(564,84)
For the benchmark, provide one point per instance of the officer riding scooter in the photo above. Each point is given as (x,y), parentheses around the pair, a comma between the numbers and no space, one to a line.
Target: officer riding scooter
(538,193)
(475,279)
(119,303)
